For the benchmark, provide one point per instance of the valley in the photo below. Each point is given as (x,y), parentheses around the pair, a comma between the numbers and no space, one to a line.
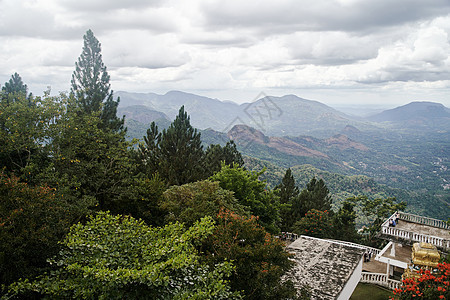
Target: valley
(384,155)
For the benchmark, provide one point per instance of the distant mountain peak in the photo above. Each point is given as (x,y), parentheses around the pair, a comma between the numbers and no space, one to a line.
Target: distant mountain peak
(413,112)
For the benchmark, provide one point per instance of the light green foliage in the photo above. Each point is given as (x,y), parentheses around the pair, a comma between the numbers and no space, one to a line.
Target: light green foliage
(118,257)
(25,125)
(190,202)
(252,193)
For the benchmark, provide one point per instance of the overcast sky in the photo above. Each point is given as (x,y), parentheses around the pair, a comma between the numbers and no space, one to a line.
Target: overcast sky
(382,52)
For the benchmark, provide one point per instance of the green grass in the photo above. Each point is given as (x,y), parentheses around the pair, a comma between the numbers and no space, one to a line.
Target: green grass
(365,291)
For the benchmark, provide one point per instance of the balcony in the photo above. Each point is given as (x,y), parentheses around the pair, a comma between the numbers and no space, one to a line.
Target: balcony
(412,228)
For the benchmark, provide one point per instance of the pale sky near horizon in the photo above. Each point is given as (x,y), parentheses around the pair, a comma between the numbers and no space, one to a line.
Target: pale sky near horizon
(340,52)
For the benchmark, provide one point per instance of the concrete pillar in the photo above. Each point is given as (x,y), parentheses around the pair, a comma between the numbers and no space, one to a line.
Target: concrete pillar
(393,250)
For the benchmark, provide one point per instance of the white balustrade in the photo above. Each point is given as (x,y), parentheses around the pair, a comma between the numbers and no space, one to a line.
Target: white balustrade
(417,237)
(423,220)
(379,279)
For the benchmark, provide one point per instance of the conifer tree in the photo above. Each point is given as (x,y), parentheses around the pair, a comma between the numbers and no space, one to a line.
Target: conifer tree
(90,84)
(288,193)
(215,155)
(15,85)
(315,196)
(287,188)
(149,152)
(181,152)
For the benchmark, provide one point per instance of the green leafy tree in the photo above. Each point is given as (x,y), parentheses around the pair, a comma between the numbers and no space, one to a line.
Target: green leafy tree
(32,220)
(89,164)
(215,155)
(118,257)
(145,201)
(315,223)
(260,259)
(91,87)
(376,212)
(288,193)
(252,193)
(193,201)
(26,125)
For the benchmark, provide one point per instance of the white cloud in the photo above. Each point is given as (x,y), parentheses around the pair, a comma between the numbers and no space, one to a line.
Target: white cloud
(240,46)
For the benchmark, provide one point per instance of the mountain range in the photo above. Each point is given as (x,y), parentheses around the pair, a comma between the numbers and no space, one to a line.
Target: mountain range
(406,149)
(278,116)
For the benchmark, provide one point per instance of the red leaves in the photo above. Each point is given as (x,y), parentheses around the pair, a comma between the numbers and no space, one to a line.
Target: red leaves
(428,286)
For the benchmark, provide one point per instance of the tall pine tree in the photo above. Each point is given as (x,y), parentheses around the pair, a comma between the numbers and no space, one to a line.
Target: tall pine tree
(287,188)
(315,196)
(181,152)
(176,153)
(91,87)
(215,155)
(289,200)
(15,85)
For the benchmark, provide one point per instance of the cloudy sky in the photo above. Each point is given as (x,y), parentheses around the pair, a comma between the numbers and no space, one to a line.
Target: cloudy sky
(377,52)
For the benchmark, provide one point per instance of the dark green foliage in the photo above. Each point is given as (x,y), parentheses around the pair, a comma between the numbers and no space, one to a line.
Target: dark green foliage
(149,152)
(176,153)
(252,193)
(118,257)
(288,193)
(287,190)
(215,155)
(260,259)
(91,87)
(344,223)
(315,223)
(181,152)
(316,195)
(145,200)
(32,220)
(14,87)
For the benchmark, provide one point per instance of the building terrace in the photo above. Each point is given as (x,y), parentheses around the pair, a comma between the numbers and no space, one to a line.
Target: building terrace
(412,229)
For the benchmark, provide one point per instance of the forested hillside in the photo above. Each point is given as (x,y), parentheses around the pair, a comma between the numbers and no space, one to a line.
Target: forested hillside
(405,149)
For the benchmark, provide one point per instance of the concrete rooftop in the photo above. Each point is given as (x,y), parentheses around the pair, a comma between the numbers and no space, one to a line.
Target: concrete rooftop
(423,229)
(323,265)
